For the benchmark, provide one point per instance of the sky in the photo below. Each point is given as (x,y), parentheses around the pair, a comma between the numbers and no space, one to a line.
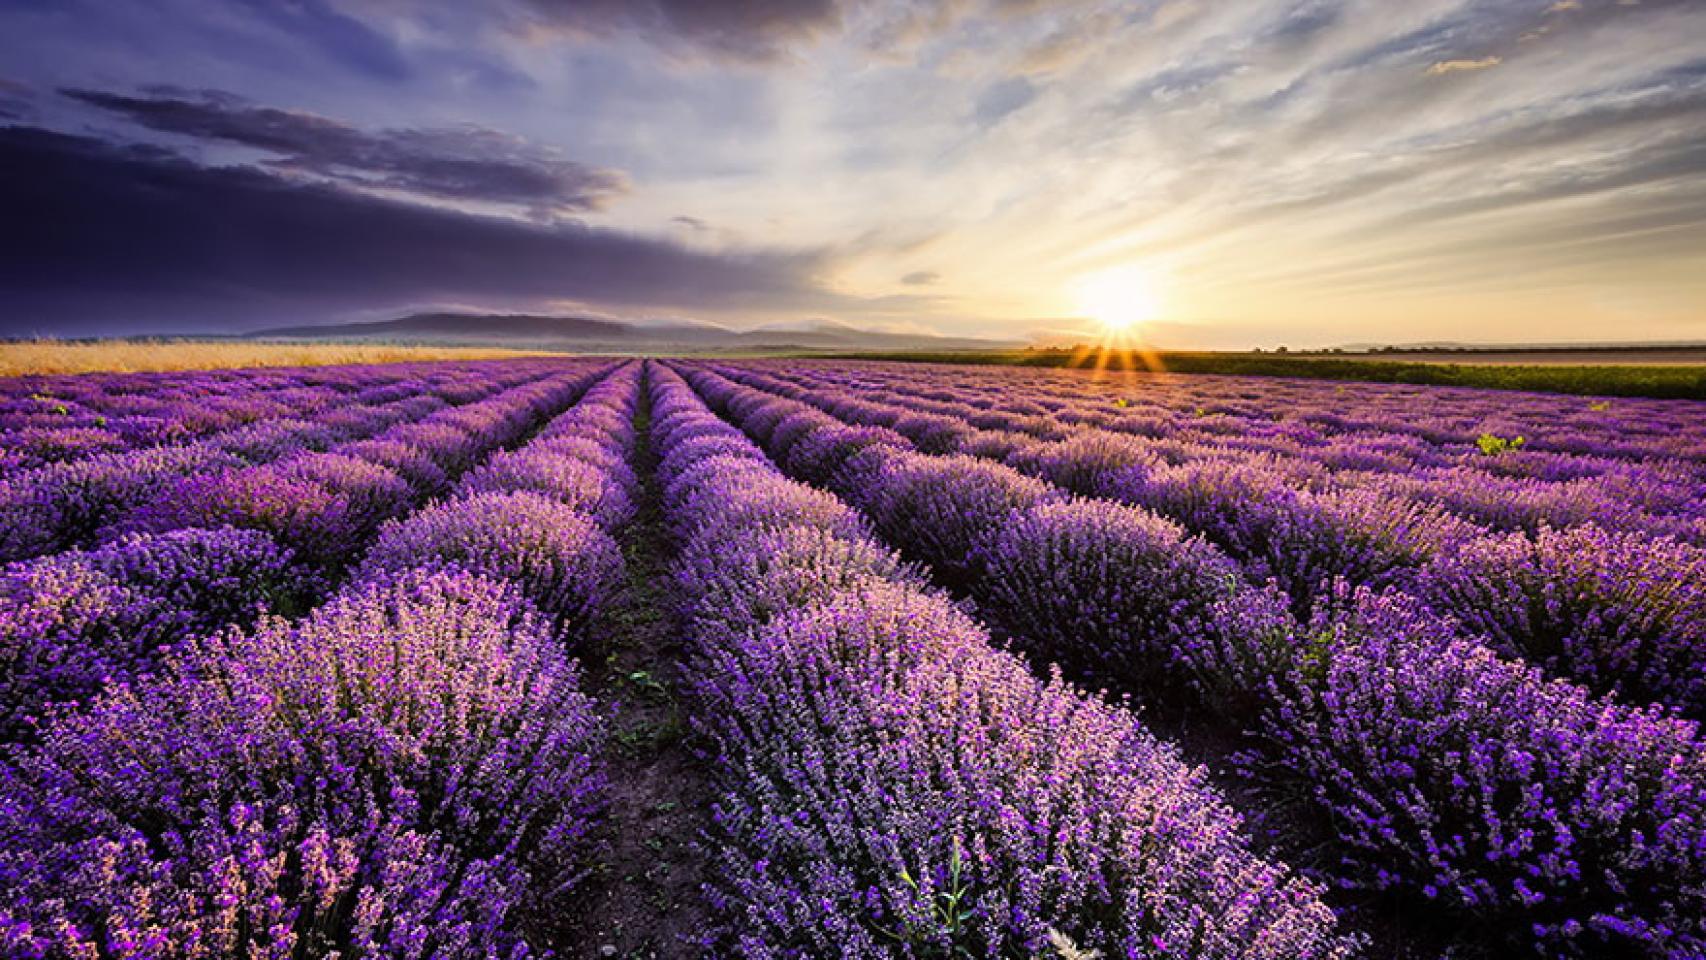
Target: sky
(1220,173)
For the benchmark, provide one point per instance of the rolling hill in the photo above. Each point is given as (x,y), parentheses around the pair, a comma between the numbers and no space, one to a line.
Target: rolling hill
(594,334)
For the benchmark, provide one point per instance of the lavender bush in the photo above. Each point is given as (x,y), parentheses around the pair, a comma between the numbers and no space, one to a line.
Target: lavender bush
(73,622)
(1125,594)
(1619,612)
(556,555)
(1474,782)
(1475,664)
(407,772)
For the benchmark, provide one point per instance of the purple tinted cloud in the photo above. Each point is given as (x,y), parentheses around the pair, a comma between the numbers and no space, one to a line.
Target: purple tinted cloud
(15,100)
(467,163)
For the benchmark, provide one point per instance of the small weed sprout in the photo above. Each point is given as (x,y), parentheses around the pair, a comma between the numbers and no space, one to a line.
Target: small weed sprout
(1492,444)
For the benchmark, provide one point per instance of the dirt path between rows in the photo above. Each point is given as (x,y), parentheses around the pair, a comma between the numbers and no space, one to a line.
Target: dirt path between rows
(644,900)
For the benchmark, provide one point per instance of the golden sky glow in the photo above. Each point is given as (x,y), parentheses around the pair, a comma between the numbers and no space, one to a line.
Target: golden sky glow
(1121,299)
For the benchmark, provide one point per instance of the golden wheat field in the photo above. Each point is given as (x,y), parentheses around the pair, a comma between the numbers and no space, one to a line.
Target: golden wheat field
(136,356)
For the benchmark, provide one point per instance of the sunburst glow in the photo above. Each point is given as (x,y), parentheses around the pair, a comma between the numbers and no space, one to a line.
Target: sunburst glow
(1120,299)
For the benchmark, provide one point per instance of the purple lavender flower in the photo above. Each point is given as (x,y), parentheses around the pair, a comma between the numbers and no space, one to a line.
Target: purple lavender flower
(575,483)
(408,772)
(1618,612)
(943,508)
(1125,594)
(1472,781)
(556,555)
(73,622)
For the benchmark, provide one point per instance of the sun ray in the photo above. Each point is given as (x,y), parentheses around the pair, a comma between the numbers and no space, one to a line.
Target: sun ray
(1120,300)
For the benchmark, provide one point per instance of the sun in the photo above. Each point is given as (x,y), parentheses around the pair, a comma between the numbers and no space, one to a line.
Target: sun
(1122,300)
(1119,298)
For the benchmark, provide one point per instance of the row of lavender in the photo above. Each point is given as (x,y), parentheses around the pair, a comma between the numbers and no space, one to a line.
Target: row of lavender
(53,419)
(408,771)
(890,784)
(1619,607)
(1449,774)
(226,548)
(79,501)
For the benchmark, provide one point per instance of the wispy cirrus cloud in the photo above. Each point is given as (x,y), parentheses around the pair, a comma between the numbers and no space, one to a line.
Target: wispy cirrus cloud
(736,29)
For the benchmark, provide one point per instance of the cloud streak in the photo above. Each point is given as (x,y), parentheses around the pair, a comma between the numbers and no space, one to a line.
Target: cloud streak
(748,30)
(465,163)
(1443,67)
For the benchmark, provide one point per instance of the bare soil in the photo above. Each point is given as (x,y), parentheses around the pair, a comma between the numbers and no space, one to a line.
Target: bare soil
(644,899)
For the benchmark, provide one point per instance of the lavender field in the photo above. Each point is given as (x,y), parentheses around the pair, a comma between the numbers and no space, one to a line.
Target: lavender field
(787,659)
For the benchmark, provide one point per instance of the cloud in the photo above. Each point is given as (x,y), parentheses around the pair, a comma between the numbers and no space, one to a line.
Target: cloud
(1056,52)
(769,31)
(465,163)
(16,100)
(1173,84)
(1001,99)
(748,30)
(132,238)
(337,35)
(1303,25)
(1442,67)
(1674,161)
(921,278)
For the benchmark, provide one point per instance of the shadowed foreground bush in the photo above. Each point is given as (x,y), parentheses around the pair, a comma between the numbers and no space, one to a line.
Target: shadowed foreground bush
(402,774)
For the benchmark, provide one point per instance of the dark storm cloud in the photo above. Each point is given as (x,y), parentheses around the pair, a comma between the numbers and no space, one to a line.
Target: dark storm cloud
(467,163)
(132,238)
(15,100)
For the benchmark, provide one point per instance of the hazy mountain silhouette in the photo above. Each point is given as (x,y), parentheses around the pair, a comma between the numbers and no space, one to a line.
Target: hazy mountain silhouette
(595,334)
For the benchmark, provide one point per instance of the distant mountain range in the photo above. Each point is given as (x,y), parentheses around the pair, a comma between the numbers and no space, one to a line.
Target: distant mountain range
(595,335)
